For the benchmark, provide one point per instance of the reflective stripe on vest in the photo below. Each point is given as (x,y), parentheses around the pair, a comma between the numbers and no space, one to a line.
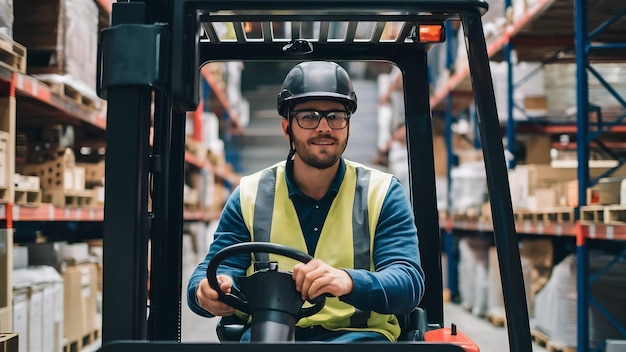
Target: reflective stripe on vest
(270,215)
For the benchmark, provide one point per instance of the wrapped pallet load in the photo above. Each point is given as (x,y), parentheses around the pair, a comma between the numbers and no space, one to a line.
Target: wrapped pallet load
(556,303)
(6,19)
(608,284)
(473,258)
(62,41)
(536,257)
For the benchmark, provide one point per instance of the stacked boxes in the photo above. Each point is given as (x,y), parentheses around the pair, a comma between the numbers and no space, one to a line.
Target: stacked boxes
(55,305)
(37,302)
(80,281)
(61,37)
(62,181)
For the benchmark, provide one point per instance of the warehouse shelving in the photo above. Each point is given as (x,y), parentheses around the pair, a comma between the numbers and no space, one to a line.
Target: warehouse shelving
(34,95)
(555,31)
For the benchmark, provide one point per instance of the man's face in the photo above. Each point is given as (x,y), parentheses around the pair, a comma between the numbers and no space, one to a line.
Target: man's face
(320,147)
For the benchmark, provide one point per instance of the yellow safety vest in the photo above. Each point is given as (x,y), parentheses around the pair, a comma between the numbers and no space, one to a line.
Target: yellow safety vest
(270,216)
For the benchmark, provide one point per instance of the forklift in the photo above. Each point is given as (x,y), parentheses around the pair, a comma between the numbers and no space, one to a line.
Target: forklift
(149,62)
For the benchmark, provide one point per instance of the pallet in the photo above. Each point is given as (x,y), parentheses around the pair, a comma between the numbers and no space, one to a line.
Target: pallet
(470,214)
(603,214)
(544,341)
(28,196)
(13,55)
(69,93)
(615,215)
(592,214)
(539,338)
(66,198)
(77,345)
(496,320)
(4,195)
(558,215)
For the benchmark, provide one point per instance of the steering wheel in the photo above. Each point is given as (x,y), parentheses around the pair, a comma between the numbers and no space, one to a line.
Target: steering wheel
(235,298)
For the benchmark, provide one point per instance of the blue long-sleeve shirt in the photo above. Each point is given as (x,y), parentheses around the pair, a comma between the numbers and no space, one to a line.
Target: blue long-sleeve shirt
(395,287)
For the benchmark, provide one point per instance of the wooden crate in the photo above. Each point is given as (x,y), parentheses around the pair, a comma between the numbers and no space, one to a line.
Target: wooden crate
(69,198)
(55,174)
(13,55)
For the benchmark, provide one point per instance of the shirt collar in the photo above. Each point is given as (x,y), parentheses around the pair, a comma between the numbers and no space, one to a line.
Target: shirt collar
(334,186)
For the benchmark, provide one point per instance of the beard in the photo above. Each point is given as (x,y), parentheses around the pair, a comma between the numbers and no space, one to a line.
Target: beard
(322,159)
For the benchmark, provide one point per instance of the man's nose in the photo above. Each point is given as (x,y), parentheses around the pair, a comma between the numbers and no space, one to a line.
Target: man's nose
(324,120)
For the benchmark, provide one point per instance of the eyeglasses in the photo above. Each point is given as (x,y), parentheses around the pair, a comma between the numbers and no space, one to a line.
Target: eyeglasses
(310,119)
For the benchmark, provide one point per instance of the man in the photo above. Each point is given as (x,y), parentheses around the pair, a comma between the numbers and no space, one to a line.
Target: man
(355,221)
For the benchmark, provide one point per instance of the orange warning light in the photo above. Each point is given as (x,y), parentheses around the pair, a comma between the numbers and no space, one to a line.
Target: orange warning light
(431,33)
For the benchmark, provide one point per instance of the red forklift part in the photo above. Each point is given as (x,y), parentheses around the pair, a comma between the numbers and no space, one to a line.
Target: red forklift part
(451,335)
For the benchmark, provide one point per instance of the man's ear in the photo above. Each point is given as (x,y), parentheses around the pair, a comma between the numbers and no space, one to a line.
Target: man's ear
(286,128)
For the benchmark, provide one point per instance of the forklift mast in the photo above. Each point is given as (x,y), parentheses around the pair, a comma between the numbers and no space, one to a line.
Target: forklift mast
(148,71)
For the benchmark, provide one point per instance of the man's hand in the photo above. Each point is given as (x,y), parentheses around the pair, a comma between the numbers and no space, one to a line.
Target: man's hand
(316,278)
(209,299)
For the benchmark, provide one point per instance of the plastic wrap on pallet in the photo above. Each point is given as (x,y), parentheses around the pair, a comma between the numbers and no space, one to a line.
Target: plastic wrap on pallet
(6,19)
(561,90)
(473,257)
(469,186)
(532,77)
(61,37)
(538,253)
(81,40)
(555,304)
(608,289)
(495,297)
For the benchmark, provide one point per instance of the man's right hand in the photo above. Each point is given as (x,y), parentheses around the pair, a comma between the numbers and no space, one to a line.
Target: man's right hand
(209,299)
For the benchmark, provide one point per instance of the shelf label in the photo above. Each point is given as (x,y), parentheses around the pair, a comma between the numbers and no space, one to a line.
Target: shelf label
(527,226)
(592,231)
(610,234)
(19,83)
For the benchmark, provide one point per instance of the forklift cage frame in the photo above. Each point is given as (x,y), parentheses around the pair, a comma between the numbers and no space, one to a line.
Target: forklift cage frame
(148,67)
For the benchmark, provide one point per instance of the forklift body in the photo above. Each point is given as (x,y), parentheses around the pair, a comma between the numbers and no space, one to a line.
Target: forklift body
(148,71)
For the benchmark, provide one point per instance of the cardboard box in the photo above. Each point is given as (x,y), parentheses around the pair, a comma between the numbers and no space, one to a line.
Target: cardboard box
(55,174)
(79,303)
(538,149)
(61,37)
(25,182)
(79,178)
(5,139)
(6,318)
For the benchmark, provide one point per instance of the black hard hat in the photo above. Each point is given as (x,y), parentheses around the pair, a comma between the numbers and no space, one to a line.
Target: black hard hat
(317,80)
